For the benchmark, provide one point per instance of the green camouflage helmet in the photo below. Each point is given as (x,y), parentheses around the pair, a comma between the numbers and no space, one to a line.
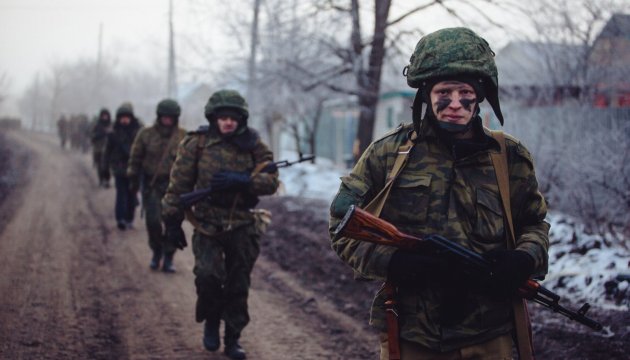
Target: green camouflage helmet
(452,52)
(226,99)
(168,107)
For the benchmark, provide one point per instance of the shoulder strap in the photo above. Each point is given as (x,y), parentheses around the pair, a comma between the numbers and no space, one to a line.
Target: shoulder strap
(519,307)
(376,205)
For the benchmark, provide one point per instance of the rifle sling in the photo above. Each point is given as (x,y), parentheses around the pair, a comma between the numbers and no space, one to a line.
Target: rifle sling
(522,323)
(375,207)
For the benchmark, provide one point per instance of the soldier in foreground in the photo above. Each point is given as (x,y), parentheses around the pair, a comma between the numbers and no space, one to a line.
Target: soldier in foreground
(223,156)
(115,158)
(101,126)
(447,186)
(152,155)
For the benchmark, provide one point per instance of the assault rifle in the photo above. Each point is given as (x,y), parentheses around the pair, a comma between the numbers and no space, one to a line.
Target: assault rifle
(189,199)
(360,225)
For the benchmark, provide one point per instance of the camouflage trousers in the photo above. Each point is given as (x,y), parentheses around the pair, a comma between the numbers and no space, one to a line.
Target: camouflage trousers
(152,203)
(499,348)
(223,264)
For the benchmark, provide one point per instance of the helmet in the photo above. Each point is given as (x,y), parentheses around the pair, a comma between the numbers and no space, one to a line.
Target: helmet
(124,109)
(226,99)
(168,107)
(454,52)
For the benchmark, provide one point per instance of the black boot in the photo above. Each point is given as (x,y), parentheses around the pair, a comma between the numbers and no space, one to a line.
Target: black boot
(233,349)
(167,266)
(211,339)
(155,260)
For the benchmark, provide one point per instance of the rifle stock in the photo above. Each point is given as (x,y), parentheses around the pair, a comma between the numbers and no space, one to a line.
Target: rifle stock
(360,225)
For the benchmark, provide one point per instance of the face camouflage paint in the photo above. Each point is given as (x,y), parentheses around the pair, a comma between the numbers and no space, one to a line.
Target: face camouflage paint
(467,103)
(442,104)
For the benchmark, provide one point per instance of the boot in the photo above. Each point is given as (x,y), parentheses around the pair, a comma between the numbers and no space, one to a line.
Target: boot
(233,349)
(167,266)
(211,339)
(155,260)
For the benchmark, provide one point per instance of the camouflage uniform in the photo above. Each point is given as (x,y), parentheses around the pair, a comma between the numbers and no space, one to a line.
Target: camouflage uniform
(441,192)
(228,245)
(115,158)
(98,136)
(152,155)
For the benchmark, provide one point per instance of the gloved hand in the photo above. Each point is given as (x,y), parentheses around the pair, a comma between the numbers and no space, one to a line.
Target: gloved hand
(510,269)
(270,168)
(230,180)
(418,270)
(175,234)
(134,184)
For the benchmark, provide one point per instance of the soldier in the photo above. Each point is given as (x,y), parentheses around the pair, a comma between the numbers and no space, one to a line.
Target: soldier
(152,156)
(226,240)
(115,157)
(98,136)
(62,130)
(447,187)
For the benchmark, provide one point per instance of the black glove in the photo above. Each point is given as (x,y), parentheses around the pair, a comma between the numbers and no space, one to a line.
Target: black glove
(418,270)
(230,180)
(270,168)
(510,269)
(175,234)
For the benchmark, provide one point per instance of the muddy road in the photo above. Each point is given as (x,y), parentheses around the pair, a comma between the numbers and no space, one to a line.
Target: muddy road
(72,286)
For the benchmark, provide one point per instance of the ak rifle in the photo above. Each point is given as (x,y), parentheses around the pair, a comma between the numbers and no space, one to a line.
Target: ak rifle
(189,199)
(360,225)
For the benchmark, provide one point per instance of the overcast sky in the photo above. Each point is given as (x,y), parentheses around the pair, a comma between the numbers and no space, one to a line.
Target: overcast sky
(37,34)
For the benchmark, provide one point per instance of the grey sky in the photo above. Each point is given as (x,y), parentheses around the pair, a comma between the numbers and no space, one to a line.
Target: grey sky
(39,33)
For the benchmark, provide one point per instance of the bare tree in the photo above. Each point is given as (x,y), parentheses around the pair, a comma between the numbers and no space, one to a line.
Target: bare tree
(573,24)
(363,55)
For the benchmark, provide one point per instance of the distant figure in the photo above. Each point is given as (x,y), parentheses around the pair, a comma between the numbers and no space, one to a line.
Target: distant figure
(101,126)
(116,157)
(152,155)
(63,130)
(226,239)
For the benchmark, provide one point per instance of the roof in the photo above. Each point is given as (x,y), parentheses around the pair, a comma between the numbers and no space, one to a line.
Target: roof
(618,26)
(526,63)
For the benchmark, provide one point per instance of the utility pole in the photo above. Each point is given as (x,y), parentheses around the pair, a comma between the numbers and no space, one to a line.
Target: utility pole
(251,71)
(99,67)
(172,76)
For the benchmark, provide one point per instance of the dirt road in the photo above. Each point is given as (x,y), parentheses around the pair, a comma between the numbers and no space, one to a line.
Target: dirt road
(72,286)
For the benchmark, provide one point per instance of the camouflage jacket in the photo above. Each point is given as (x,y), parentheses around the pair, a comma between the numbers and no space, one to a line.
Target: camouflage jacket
(194,167)
(458,199)
(148,158)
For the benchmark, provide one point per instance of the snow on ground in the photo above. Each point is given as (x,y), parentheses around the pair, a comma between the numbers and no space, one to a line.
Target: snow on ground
(582,267)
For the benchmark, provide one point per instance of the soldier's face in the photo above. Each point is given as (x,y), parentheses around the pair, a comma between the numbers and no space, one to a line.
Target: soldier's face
(125,120)
(167,121)
(227,124)
(105,117)
(453,102)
